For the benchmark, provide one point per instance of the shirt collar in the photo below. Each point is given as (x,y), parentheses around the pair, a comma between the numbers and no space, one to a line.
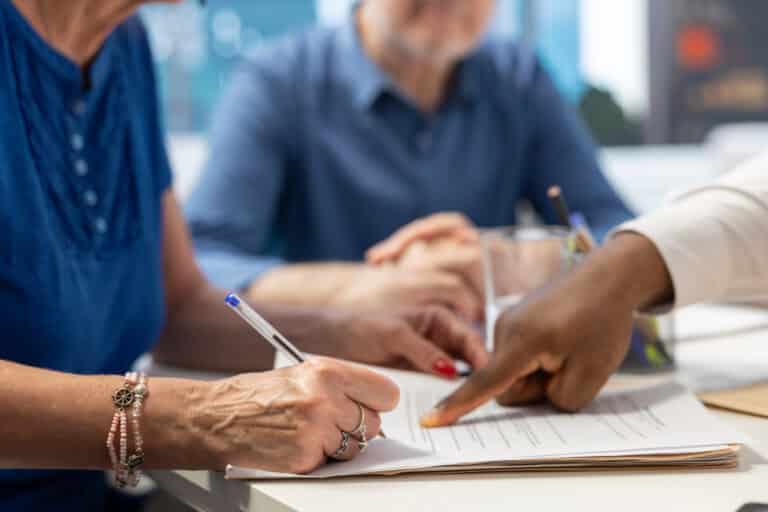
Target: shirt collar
(469,77)
(368,82)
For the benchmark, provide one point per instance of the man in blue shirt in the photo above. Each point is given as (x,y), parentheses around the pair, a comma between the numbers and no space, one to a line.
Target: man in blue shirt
(329,141)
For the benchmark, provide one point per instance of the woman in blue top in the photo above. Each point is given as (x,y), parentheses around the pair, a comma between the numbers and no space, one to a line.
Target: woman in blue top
(96,268)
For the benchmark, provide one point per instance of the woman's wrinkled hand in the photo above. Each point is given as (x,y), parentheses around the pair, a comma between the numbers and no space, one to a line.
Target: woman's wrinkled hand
(290,420)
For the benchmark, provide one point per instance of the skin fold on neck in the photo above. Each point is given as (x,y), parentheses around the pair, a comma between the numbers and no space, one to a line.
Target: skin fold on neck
(425,81)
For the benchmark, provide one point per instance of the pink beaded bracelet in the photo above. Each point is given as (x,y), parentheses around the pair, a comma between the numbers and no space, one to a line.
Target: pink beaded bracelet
(131,395)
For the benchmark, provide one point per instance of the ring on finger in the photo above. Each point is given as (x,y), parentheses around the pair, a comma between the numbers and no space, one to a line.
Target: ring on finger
(343,447)
(360,431)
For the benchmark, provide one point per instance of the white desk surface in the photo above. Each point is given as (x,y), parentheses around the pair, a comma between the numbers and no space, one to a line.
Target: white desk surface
(740,354)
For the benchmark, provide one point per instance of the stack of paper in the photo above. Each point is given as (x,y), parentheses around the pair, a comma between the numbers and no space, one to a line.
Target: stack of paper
(662,426)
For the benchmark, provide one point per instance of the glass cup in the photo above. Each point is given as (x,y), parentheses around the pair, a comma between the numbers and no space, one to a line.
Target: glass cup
(652,345)
(517,261)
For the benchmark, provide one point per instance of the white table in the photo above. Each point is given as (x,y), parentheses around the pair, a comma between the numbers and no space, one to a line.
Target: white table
(741,353)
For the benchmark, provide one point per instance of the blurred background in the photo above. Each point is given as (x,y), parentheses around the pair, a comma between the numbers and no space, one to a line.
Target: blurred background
(675,92)
(672,89)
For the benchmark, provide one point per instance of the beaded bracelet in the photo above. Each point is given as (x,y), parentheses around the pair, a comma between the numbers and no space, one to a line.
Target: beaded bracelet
(131,395)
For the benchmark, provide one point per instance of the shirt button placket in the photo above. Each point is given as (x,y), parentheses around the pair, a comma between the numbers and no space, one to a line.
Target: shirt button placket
(90,198)
(78,107)
(100,225)
(425,137)
(81,167)
(425,141)
(76,139)
(77,142)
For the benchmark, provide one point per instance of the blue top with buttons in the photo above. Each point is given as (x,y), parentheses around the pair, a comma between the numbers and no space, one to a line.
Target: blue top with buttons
(82,171)
(317,155)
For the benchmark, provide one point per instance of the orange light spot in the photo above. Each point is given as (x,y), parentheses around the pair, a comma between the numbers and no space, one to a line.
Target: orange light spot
(698,47)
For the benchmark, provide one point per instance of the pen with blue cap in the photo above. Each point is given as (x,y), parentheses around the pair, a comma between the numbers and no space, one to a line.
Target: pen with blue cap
(581,228)
(264,328)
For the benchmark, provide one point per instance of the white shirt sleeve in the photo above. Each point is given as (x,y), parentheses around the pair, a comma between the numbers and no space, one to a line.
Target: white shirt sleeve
(714,239)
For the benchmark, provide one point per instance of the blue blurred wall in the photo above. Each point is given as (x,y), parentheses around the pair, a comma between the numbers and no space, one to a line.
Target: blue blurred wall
(556,35)
(196,48)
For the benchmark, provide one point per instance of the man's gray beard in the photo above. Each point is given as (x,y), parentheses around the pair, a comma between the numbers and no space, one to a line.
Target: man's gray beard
(435,57)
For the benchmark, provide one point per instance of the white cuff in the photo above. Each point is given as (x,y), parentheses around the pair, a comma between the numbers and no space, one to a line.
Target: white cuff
(696,257)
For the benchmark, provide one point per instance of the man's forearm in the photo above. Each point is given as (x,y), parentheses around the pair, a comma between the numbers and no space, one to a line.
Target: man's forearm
(202,333)
(310,284)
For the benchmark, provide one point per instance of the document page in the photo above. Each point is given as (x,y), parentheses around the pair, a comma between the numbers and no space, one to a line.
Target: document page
(664,416)
(665,419)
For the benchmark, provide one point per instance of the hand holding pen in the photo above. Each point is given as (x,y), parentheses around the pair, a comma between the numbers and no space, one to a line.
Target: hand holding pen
(288,349)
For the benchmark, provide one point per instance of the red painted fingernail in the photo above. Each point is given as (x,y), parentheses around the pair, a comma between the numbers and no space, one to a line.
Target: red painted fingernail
(445,368)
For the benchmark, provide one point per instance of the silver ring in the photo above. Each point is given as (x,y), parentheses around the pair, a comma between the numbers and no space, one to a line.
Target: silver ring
(344,445)
(361,431)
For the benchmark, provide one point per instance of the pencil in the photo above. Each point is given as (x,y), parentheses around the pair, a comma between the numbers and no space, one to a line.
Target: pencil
(561,207)
(582,237)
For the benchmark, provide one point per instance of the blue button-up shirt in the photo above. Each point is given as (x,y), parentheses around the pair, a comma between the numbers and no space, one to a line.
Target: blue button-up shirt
(316,154)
